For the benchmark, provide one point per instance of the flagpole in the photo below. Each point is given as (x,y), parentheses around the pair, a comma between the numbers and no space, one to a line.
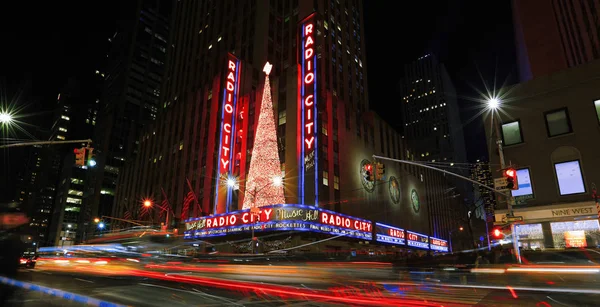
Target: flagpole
(167,209)
(194,194)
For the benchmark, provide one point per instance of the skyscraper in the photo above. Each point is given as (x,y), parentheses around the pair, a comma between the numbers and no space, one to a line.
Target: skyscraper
(75,117)
(430,114)
(134,73)
(555,35)
(484,198)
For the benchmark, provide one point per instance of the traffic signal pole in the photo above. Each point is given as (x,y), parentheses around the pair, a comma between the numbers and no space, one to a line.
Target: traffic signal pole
(510,200)
(44,143)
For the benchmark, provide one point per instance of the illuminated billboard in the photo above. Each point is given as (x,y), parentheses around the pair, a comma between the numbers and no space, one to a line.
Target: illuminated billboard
(439,245)
(308,186)
(229,110)
(277,218)
(417,240)
(389,234)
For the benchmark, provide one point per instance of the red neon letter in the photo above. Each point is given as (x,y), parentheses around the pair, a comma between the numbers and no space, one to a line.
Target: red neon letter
(310,77)
(231,65)
(309,141)
(309,100)
(227,128)
(307,29)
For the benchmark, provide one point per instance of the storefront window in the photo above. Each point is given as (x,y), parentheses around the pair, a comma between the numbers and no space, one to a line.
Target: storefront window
(531,236)
(576,234)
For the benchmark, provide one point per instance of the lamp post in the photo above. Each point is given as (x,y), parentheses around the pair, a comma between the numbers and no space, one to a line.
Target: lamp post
(494,104)
(450,238)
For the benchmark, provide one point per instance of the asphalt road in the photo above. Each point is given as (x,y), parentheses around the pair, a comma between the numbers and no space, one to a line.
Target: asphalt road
(132,291)
(138,291)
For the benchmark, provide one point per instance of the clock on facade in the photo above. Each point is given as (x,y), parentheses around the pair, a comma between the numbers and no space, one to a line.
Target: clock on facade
(366,168)
(394,188)
(414,199)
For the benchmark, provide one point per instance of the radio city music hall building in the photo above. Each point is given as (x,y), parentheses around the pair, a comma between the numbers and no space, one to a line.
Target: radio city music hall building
(326,133)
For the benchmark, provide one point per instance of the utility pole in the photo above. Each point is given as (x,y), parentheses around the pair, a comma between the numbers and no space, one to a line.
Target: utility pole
(45,143)
(510,200)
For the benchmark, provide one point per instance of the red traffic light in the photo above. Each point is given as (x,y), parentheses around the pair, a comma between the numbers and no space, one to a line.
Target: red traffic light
(497,233)
(510,173)
(76,150)
(368,167)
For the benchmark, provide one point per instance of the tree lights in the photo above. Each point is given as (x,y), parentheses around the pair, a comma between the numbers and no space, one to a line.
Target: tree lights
(261,188)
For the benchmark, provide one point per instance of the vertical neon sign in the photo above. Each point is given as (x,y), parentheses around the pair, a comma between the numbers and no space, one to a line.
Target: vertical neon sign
(308,168)
(226,150)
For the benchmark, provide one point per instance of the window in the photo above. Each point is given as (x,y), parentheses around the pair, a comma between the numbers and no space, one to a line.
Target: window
(511,133)
(336,182)
(524,181)
(71,200)
(597,105)
(325,178)
(75,192)
(558,122)
(282,117)
(569,177)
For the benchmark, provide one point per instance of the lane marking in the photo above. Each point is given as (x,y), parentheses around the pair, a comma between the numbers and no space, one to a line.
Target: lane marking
(85,280)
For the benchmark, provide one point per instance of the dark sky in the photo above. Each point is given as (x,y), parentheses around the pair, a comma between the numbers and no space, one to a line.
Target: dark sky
(45,43)
(466,35)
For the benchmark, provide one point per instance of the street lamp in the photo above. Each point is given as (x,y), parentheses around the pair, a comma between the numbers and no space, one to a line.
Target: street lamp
(96,220)
(493,103)
(231,182)
(450,237)
(5,118)
(101,225)
(147,203)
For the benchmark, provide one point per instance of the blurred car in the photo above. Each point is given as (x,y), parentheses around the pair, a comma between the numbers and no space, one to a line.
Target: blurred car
(27,261)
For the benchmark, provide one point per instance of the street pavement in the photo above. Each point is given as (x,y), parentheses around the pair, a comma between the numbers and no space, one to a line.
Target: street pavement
(198,289)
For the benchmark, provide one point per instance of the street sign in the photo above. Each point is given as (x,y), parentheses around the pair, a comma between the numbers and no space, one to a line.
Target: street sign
(512,219)
(500,184)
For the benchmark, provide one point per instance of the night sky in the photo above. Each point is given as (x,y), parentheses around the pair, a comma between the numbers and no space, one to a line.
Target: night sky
(45,43)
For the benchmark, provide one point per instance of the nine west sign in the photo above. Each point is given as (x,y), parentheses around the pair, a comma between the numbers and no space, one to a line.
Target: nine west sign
(553,213)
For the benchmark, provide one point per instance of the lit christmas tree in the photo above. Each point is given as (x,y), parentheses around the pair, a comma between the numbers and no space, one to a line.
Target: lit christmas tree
(264,185)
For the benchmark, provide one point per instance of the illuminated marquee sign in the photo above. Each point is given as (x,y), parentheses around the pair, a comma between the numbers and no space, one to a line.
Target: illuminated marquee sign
(229,101)
(279,217)
(438,244)
(417,240)
(389,234)
(307,111)
(228,116)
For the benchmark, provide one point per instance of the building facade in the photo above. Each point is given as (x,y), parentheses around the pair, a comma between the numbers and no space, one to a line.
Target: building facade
(555,35)
(326,143)
(549,129)
(134,72)
(75,116)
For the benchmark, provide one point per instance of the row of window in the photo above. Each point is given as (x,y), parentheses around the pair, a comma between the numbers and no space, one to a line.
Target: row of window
(558,123)
(569,179)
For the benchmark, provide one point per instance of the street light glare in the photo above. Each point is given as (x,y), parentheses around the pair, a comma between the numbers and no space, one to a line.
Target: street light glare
(5,118)
(230,182)
(493,103)
(147,203)
(277,181)
(101,225)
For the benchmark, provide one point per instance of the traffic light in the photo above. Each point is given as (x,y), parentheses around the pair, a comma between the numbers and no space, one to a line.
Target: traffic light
(369,175)
(497,233)
(79,156)
(511,179)
(380,170)
(91,157)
